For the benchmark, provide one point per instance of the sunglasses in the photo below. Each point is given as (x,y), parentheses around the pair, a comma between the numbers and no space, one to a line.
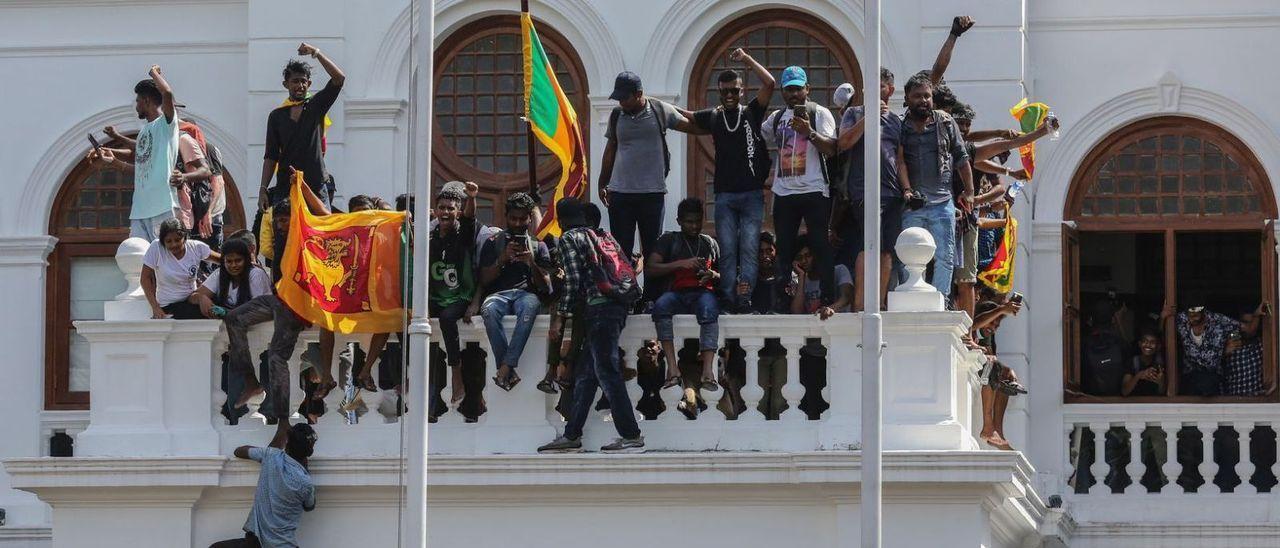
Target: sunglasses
(730,91)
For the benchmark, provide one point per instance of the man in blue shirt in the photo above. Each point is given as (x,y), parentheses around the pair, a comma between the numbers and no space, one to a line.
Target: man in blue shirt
(284,491)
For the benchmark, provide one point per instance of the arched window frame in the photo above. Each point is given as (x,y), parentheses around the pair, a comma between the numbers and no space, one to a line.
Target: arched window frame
(716,51)
(1259,218)
(447,165)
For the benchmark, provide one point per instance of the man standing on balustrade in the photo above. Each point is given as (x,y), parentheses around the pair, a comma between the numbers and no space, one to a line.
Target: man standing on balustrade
(296,129)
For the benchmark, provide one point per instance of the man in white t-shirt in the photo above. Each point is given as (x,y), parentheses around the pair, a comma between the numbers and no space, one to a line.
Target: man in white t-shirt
(152,157)
(800,187)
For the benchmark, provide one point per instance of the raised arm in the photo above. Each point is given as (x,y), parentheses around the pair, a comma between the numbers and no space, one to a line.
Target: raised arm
(166,94)
(959,25)
(336,76)
(767,83)
(129,142)
(851,135)
(988,150)
(314,203)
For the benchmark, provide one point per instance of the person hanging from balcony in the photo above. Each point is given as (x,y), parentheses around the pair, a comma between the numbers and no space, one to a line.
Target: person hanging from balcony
(452,290)
(932,153)
(741,168)
(688,263)
(169,270)
(284,491)
(1242,370)
(296,130)
(513,276)
(847,212)
(804,134)
(635,165)
(150,157)
(287,326)
(582,254)
(999,381)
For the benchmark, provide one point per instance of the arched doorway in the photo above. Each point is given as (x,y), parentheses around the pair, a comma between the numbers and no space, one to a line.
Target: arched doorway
(1168,211)
(777,38)
(90,218)
(479,102)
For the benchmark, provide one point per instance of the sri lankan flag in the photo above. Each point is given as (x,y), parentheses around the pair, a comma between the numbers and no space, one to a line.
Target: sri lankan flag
(552,119)
(343,272)
(1029,117)
(999,274)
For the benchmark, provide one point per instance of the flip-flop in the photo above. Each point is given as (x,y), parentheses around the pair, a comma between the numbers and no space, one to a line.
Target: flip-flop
(547,386)
(367,384)
(323,389)
(710,385)
(673,381)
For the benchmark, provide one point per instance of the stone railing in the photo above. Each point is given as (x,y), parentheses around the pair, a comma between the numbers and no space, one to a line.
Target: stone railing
(1180,450)
(157,390)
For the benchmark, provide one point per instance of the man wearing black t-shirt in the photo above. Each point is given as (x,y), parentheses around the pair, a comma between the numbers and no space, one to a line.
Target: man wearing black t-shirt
(512,277)
(295,130)
(742,165)
(688,262)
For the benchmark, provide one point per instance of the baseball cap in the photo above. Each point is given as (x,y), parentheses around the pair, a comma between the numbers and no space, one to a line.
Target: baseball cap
(626,85)
(842,94)
(794,76)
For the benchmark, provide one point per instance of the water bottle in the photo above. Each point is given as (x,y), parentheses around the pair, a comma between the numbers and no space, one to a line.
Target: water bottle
(1015,188)
(1053,125)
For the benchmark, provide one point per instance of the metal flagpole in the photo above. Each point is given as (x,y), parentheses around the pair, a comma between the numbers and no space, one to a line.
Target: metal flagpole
(415,533)
(872,336)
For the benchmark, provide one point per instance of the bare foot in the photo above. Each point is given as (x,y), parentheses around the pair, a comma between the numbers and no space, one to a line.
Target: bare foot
(250,391)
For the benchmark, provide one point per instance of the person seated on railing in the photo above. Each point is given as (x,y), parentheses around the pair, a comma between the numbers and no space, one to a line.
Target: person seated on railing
(1145,376)
(1242,372)
(999,381)
(378,341)
(807,296)
(771,295)
(266,308)
(687,261)
(169,270)
(235,282)
(248,238)
(452,294)
(285,489)
(512,277)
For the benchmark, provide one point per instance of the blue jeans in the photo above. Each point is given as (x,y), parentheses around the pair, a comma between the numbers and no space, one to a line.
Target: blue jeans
(598,367)
(524,306)
(701,303)
(940,221)
(149,228)
(738,219)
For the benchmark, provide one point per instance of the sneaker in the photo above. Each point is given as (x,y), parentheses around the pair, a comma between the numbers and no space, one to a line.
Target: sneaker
(562,445)
(622,445)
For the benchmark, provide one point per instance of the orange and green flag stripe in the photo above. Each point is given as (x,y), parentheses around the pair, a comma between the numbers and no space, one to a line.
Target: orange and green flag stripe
(1029,117)
(554,122)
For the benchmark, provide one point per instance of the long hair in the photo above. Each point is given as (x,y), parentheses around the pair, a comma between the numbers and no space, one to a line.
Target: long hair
(235,246)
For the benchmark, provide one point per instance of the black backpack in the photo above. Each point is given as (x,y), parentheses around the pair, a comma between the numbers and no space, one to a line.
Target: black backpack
(1103,357)
(662,130)
(831,165)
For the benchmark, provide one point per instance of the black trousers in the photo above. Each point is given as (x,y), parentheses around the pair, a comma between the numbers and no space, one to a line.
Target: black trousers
(814,210)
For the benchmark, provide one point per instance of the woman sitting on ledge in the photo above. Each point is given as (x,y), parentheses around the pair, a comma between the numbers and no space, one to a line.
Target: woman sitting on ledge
(233,283)
(169,270)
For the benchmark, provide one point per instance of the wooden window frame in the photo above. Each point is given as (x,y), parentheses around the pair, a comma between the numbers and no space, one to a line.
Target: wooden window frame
(1169,226)
(76,243)
(700,149)
(446,165)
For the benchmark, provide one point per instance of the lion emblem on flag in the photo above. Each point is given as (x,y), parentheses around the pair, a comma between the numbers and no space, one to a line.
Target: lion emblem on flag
(330,263)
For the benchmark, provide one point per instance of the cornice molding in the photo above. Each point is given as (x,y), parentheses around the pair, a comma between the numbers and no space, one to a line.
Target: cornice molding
(26,250)
(1156,22)
(111,50)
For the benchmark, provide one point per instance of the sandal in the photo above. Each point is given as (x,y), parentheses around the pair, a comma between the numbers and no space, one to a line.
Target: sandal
(547,386)
(322,389)
(710,385)
(675,380)
(366,383)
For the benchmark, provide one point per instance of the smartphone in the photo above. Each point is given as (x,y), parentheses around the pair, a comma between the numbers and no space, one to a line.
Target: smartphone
(1235,336)
(1015,298)
(799,111)
(96,146)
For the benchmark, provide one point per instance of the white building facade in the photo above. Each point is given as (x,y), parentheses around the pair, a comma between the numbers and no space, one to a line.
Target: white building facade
(1186,78)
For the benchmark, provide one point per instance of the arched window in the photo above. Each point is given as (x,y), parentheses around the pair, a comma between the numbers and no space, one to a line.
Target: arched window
(1166,211)
(777,38)
(90,218)
(479,132)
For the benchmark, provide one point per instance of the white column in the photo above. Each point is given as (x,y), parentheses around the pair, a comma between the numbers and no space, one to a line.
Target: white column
(374,127)
(793,391)
(751,391)
(1246,467)
(1099,467)
(1135,468)
(1208,468)
(22,274)
(1172,468)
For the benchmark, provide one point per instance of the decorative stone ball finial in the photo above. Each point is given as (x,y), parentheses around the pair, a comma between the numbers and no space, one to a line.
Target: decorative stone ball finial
(129,261)
(915,249)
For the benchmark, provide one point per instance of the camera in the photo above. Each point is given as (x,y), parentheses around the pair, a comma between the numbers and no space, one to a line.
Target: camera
(914,201)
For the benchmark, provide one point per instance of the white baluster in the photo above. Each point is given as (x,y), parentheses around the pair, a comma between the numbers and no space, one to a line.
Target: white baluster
(219,395)
(1099,467)
(793,391)
(1275,466)
(671,396)
(296,393)
(333,414)
(634,392)
(1208,468)
(713,397)
(453,414)
(1246,467)
(1136,467)
(1070,430)
(751,391)
(1171,468)
(826,390)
